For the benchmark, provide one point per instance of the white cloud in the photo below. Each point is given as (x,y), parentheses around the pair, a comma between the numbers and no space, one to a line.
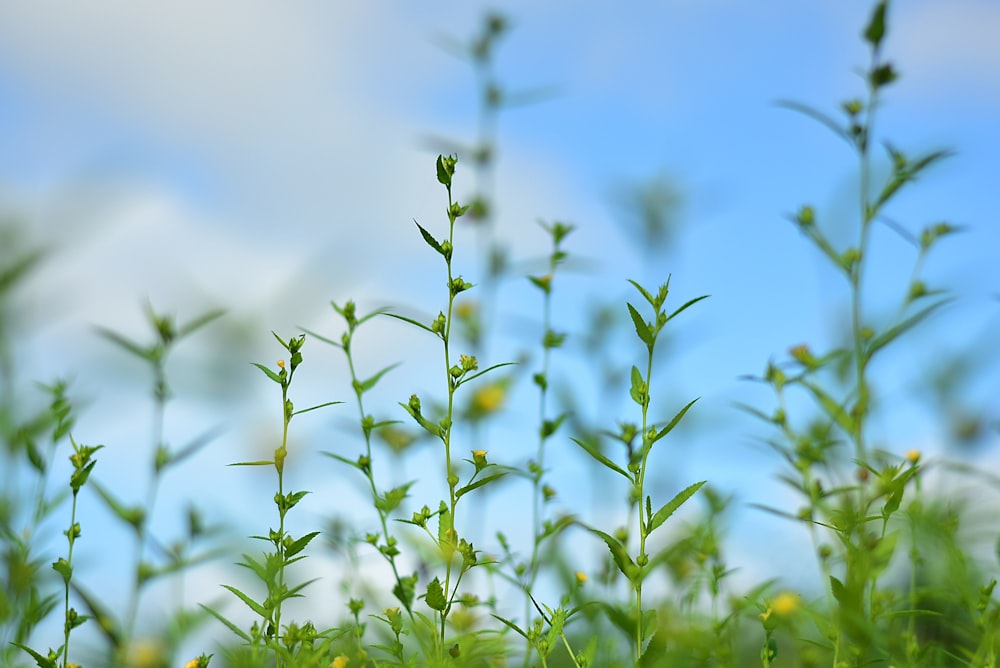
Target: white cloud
(950,49)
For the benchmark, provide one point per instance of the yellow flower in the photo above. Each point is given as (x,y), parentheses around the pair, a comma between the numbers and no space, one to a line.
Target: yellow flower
(581,577)
(489,398)
(281,364)
(912,456)
(340,662)
(785,604)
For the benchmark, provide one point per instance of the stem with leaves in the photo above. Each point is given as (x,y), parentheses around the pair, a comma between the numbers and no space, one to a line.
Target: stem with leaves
(635,571)
(441,596)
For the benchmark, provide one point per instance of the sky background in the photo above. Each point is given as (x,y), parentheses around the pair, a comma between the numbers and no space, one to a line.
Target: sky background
(267,159)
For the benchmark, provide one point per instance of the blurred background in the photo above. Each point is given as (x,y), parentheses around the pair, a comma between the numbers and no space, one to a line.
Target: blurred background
(266,160)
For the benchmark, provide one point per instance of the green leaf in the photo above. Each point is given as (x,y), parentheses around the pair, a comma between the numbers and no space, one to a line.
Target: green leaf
(231,626)
(895,331)
(834,410)
(876,27)
(127,344)
(476,484)
(618,553)
(639,391)
(391,499)
(511,625)
(668,509)
(317,406)
(641,327)
(411,321)
(685,306)
(191,448)
(42,661)
(673,423)
(435,595)
(200,322)
(466,379)
(262,462)
(299,544)
(431,241)
(644,292)
(596,454)
(250,603)
(270,374)
(431,427)
(366,385)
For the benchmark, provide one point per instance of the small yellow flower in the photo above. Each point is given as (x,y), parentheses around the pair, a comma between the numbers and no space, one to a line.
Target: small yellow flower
(581,577)
(465,309)
(489,399)
(479,458)
(912,456)
(340,662)
(785,604)
(281,364)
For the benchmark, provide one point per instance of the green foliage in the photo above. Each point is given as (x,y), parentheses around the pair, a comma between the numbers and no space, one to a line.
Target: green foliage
(899,586)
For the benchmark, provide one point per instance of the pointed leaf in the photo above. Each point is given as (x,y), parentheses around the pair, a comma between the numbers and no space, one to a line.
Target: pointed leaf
(250,603)
(476,484)
(431,241)
(411,321)
(231,626)
(618,553)
(641,328)
(511,625)
(317,406)
(596,454)
(200,322)
(667,510)
(366,385)
(673,423)
(834,410)
(42,661)
(127,344)
(644,292)
(895,331)
(390,500)
(300,544)
(684,307)
(270,374)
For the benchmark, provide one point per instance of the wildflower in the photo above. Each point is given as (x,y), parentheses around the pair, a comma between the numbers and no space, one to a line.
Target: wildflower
(912,456)
(581,577)
(340,662)
(479,459)
(488,399)
(785,604)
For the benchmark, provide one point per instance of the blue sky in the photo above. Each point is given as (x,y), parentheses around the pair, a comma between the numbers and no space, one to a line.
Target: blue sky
(268,159)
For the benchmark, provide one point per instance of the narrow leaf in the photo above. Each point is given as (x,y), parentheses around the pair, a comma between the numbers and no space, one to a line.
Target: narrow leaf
(596,454)
(231,626)
(476,484)
(411,321)
(644,292)
(685,306)
(673,423)
(300,544)
(667,510)
(895,331)
(270,374)
(834,410)
(641,328)
(250,603)
(370,383)
(431,241)
(619,554)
